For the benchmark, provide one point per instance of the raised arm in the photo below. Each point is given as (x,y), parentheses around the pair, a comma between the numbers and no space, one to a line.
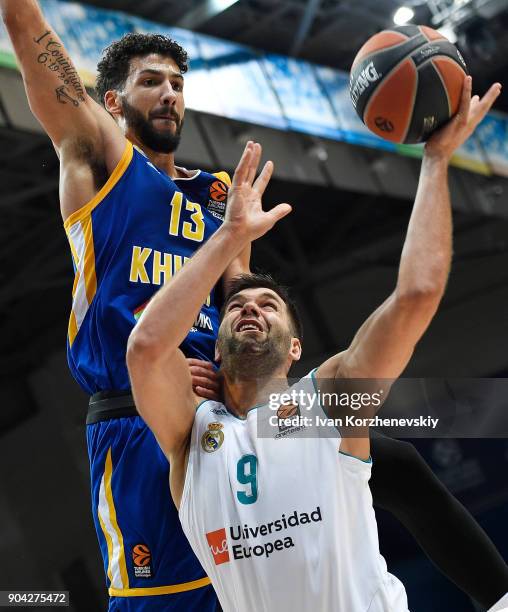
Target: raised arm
(160,377)
(239,265)
(81,130)
(384,344)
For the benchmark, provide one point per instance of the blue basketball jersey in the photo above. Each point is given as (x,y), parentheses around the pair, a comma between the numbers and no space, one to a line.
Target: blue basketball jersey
(134,235)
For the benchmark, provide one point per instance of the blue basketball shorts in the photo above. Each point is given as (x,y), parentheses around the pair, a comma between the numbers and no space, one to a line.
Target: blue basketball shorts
(148,562)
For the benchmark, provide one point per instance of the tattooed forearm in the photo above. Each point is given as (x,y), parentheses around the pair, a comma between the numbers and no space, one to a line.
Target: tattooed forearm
(63,97)
(54,58)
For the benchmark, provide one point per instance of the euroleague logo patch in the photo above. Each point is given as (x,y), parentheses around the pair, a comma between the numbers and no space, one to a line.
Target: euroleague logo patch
(142,557)
(219,191)
(287,411)
(217,198)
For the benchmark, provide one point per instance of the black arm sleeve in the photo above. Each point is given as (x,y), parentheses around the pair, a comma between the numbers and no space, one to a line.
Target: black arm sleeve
(404,485)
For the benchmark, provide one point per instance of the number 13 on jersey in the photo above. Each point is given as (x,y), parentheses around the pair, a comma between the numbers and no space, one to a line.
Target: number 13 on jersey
(247,474)
(193,229)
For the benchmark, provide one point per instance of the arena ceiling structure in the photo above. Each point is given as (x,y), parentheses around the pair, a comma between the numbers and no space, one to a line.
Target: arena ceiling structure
(340,248)
(329,32)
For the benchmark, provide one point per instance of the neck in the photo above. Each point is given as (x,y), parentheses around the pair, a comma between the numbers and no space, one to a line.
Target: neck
(163,161)
(242,395)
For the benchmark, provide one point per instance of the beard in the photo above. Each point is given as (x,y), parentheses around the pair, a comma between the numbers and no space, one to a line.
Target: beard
(247,358)
(156,140)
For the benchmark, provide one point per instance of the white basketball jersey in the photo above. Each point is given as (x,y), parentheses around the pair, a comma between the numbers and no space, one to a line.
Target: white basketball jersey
(282,524)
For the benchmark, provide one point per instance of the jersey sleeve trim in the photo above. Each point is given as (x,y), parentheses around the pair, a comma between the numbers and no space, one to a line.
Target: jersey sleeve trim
(80,236)
(201,403)
(316,390)
(224,177)
(116,175)
(368,461)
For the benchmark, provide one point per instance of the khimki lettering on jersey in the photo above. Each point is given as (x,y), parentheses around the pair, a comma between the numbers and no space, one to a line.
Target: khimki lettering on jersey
(202,321)
(243,537)
(127,242)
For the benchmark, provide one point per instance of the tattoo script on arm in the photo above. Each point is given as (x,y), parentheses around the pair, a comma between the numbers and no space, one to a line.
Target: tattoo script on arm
(53,56)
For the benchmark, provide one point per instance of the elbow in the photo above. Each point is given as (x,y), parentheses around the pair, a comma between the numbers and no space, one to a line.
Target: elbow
(423,295)
(143,349)
(424,286)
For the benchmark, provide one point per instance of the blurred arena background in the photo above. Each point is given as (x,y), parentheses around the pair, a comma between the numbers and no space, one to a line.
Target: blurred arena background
(275,71)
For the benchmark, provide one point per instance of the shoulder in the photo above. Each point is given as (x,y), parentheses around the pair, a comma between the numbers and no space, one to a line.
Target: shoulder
(209,425)
(223,176)
(210,408)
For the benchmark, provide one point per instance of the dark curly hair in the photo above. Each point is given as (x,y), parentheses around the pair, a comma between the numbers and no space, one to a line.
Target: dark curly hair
(113,68)
(265,281)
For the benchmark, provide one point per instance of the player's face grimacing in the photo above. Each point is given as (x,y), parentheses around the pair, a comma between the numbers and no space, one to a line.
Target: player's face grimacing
(256,335)
(152,102)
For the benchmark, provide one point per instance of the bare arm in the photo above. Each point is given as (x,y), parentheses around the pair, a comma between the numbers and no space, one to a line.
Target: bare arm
(205,379)
(240,265)
(160,375)
(83,133)
(165,401)
(384,344)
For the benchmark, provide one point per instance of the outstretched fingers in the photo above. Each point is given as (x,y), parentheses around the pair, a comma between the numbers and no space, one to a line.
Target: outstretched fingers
(254,163)
(465,101)
(242,169)
(278,212)
(483,105)
(264,178)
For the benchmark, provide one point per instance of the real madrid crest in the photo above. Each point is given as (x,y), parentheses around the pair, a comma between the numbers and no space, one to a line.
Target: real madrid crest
(213,438)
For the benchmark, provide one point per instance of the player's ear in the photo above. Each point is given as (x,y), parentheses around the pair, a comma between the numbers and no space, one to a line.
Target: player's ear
(217,353)
(112,102)
(295,350)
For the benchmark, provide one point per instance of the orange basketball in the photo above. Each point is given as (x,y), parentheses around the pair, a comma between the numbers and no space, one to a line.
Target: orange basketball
(218,191)
(407,82)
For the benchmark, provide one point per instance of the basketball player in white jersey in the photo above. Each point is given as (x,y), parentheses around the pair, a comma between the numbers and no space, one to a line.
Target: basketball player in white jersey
(285,524)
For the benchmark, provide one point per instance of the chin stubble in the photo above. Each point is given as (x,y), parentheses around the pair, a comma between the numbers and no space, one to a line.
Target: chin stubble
(147,134)
(249,359)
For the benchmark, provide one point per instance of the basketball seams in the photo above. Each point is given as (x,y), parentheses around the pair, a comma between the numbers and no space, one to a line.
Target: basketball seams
(424,30)
(397,32)
(424,118)
(403,101)
(431,34)
(379,52)
(423,33)
(386,76)
(442,56)
(453,103)
(445,89)
(413,101)
(360,58)
(385,83)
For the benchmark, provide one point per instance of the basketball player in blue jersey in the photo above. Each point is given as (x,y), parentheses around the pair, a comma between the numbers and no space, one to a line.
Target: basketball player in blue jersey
(133,218)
